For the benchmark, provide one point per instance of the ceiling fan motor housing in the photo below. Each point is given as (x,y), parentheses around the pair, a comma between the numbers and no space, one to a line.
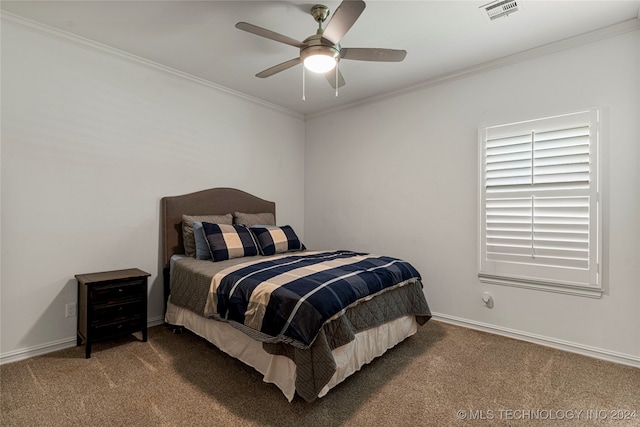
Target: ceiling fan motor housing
(314,45)
(319,50)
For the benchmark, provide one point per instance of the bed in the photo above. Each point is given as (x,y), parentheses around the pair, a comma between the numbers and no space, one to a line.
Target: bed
(312,352)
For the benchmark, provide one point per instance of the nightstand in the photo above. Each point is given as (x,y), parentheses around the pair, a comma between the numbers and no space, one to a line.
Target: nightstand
(111,304)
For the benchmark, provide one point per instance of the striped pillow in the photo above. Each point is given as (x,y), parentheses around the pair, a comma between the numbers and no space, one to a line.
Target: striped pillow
(275,240)
(229,241)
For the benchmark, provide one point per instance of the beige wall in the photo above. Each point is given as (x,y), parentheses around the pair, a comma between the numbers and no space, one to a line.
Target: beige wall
(400,176)
(90,143)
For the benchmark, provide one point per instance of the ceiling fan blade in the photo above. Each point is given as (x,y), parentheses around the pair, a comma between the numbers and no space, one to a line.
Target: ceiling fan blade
(331,78)
(263,32)
(373,54)
(277,68)
(342,20)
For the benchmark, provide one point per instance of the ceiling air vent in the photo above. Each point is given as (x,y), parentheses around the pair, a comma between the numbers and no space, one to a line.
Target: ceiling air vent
(499,8)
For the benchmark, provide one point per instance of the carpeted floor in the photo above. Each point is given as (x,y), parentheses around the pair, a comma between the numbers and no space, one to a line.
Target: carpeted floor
(444,375)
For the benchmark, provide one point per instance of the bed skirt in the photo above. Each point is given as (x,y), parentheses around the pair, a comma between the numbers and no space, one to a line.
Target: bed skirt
(281,370)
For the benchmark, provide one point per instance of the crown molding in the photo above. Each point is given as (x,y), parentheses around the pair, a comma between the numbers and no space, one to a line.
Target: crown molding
(536,52)
(568,43)
(21,22)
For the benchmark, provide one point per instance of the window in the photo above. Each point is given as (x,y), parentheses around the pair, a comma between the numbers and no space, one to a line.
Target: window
(539,207)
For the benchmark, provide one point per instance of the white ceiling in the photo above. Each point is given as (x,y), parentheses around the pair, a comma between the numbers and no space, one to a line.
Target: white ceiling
(441,38)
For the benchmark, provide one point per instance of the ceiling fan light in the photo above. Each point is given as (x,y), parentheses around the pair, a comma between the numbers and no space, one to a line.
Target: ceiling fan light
(320,63)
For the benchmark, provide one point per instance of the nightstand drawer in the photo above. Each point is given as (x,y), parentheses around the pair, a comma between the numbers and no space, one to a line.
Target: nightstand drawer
(109,313)
(117,291)
(112,329)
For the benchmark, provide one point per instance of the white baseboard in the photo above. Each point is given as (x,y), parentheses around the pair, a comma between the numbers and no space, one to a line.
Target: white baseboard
(598,353)
(37,350)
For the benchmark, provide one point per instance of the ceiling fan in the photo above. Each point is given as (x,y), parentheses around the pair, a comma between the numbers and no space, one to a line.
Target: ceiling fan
(321,52)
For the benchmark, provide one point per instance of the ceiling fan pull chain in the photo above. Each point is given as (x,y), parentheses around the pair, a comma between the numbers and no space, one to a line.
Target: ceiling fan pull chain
(303,84)
(337,73)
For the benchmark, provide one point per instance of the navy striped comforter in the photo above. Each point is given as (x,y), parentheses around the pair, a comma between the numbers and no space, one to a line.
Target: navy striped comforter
(289,298)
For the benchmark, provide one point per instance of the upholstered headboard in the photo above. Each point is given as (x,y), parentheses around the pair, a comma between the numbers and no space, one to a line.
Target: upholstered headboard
(214,201)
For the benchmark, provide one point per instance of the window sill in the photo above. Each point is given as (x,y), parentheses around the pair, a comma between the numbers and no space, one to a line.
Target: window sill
(582,291)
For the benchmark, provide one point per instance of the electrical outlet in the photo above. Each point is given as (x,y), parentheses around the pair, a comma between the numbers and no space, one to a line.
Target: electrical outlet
(487,299)
(70,310)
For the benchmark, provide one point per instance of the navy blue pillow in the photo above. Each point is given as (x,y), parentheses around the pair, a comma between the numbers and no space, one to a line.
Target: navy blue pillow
(202,247)
(276,240)
(229,241)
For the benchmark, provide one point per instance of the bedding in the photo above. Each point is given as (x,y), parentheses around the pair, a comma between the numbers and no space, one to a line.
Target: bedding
(249,219)
(202,247)
(316,366)
(299,358)
(276,240)
(282,371)
(288,299)
(229,241)
(188,232)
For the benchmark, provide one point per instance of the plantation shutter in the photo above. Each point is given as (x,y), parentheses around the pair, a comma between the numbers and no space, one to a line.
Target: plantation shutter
(539,201)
